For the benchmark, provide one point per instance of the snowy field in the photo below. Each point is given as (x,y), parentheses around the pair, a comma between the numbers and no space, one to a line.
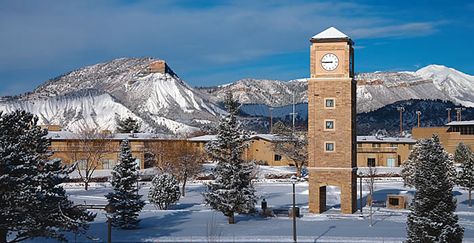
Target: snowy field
(191,221)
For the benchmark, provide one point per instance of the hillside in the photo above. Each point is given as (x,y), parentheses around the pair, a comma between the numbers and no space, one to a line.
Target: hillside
(144,88)
(148,90)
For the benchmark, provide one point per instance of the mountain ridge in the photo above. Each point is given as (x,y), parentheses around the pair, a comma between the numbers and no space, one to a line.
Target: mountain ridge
(148,90)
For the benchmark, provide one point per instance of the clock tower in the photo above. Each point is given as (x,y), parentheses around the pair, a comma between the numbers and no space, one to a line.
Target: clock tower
(331,120)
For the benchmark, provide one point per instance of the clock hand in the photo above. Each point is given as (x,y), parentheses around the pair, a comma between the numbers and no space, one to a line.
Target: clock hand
(327,62)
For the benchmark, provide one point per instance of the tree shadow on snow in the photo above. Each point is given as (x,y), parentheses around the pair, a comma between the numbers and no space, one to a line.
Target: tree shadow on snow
(165,225)
(250,217)
(325,232)
(183,206)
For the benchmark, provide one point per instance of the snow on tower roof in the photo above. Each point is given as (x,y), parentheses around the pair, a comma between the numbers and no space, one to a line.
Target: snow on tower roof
(331,33)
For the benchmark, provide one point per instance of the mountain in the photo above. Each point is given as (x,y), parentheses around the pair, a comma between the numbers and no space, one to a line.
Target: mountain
(143,88)
(148,90)
(374,90)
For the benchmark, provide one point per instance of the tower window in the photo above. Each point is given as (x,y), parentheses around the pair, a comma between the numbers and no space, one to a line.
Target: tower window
(329,146)
(329,103)
(277,157)
(328,124)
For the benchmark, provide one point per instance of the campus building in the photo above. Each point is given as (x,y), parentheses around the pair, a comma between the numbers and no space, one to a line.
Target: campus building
(450,135)
(371,150)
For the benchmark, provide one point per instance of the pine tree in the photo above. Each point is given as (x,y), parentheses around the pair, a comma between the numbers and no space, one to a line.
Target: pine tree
(432,217)
(164,191)
(232,190)
(127,125)
(32,202)
(408,168)
(125,198)
(465,157)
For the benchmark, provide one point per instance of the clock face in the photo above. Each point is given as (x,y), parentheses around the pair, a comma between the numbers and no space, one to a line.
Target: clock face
(329,62)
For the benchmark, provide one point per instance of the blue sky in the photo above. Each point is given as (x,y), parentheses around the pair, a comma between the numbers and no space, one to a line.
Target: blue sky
(216,42)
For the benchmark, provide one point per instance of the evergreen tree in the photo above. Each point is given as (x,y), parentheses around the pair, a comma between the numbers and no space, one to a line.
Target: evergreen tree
(408,168)
(125,198)
(32,202)
(164,191)
(432,217)
(127,125)
(465,157)
(232,190)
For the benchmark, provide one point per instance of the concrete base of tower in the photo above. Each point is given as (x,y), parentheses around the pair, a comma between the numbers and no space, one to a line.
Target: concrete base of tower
(344,178)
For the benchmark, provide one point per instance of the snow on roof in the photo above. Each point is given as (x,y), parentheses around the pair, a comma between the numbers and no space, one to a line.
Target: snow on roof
(461,123)
(375,139)
(204,138)
(65,135)
(273,137)
(61,135)
(330,33)
(268,137)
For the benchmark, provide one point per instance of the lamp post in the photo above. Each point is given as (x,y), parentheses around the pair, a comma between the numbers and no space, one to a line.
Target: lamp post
(418,113)
(401,109)
(458,112)
(109,209)
(293,181)
(449,114)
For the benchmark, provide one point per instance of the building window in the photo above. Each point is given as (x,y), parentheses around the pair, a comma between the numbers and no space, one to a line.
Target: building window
(108,164)
(277,157)
(328,124)
(376,145)
(82,164)
(329,146)
(371,162)
(394,145)
(359,145)
(138,163)
(390,162)
(410,146)
(329,103)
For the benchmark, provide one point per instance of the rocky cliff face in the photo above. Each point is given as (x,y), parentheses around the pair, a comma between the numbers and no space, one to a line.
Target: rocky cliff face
(144,88)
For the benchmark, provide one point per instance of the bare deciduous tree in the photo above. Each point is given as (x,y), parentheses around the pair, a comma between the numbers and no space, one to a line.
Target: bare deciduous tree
(291,144)
(88,151)
(370,175)
(179,158)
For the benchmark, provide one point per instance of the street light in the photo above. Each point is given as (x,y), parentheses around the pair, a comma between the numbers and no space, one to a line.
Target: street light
(418,113)
(401,109)
(449,114)
(458,112)
(293,181)
(109,209)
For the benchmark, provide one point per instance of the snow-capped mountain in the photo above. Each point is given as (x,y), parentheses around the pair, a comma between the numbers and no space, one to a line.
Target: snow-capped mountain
(374,90)
(148,90)
(143,88)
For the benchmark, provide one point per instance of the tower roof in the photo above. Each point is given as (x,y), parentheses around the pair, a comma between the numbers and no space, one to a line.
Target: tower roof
(331,34)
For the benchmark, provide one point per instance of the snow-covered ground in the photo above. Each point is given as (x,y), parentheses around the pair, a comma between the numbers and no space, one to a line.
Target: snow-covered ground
(191,221)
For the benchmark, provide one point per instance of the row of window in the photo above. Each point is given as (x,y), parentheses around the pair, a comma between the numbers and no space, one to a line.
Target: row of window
(391,162)
(329,103)
(106,163)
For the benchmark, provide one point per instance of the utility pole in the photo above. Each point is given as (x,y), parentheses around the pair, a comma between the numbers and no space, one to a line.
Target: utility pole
(401,109)
(449,114)
(418,113)
(293,113)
